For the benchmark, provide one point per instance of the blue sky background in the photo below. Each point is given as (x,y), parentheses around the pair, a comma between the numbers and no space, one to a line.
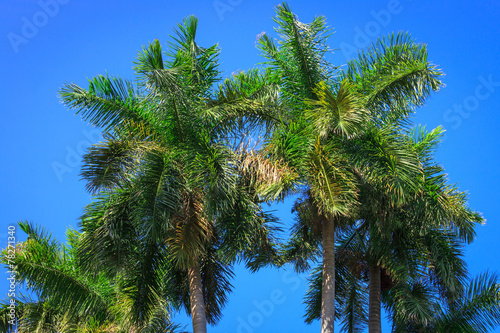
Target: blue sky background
(46,43)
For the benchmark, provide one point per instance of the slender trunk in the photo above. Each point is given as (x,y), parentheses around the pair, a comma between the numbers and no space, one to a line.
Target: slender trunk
(328,287)
(196,298)
(374,322)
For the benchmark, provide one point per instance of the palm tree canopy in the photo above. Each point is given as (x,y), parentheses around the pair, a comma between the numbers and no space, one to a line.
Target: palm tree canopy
(172,193)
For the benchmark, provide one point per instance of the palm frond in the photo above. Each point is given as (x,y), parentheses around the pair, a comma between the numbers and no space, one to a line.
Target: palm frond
(199,65)
(339,114)
(412,304)
(107,165)
(272,180)
(292,145)
(305,45)
(109,233)
(388,162)
(332,185)
(299,57)
(142,284)
(43,265)
(245,102)
(393,72)
(425,142)
(106,103)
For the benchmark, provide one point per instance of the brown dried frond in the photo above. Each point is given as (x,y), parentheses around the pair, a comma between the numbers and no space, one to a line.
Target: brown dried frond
(267,176)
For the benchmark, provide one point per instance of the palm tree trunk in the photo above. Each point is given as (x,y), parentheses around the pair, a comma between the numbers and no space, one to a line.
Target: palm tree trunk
(374,321)
(196,298)
(328,287)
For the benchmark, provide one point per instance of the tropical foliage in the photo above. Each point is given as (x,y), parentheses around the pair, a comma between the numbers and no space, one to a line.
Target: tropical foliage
(174,198)
(178,189)
(66,298)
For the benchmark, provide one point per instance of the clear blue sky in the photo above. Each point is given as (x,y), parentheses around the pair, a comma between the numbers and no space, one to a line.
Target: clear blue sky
(45,43)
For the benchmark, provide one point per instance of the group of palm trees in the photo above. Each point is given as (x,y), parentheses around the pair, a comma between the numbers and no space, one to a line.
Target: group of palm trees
(179,189)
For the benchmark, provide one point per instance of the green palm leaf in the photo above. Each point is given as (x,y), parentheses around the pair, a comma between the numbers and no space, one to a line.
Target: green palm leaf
(106,103)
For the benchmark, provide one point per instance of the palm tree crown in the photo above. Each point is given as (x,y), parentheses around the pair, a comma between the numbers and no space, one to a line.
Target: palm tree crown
(173,200)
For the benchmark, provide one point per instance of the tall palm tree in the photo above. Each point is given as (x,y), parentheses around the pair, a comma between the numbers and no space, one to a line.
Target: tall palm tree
(419,238)
(375,154)
(437,221)
(174,201)
(330,189)
(68,299)
(395,198)
(388,173)
(322,107)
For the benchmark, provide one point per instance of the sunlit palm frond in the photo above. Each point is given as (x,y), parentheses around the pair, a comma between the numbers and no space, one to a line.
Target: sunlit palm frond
(245,102)
(444,206)
(340,114)
(394,71)
(306,46)
(292,145)
(272,180)
(333,186)
(106,103)
(191,233)
(154,76)
(388,163)
(426,142)
(298,58)
(199,65)
(160,322)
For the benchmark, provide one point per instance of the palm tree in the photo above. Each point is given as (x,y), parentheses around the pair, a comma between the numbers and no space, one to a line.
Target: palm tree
(376,155)
(388,172)
(174,201)
(438,221)
(321,108)
(392,190)
(419,238)
(67,298)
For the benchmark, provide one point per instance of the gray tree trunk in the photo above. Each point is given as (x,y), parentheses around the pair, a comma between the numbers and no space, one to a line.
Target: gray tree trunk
(328,287)
(374,321)
(196,298)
